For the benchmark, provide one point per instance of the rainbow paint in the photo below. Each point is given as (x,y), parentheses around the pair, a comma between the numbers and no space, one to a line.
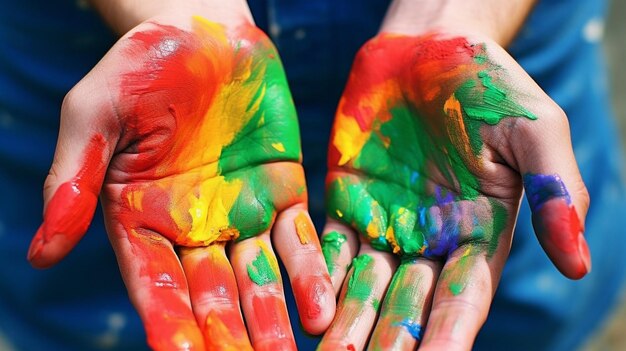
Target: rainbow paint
(406,147)
(202,171)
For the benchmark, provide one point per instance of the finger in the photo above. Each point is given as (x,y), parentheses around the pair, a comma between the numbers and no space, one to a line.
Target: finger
(215,298)
(360,300)
(406,306)
(299,248)
(340,245)
(462,298)
(555,191)
(158,289)
(261,292)
(71,190)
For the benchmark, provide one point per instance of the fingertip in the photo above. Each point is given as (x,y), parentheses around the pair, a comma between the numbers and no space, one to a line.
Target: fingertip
(560,233)
(315,299)
(44,253)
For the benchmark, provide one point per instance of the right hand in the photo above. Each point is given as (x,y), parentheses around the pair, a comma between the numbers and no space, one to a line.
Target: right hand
(188,128)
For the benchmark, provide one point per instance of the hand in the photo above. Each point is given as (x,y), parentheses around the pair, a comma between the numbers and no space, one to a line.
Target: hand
(432,138)
(188,128)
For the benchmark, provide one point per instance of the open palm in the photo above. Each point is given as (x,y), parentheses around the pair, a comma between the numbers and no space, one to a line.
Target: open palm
(194,141)
(429,143)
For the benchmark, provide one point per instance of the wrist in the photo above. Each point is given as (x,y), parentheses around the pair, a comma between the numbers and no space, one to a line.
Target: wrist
(494,19)
(123,15)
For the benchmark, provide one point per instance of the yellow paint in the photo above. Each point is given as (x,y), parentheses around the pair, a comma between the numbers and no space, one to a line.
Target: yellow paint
(304,228)
(270,256)
(201,198)
(391,239)
(339,213)
(219,337)
(279,147)
(135,200)
(349,138)
(456,126)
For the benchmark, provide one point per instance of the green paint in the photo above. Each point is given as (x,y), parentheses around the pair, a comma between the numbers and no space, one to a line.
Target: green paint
(404,300)
(331,247)
(491,103)
(260,270)
(362,280)
(274,122)
(500,216)
(394,165)
(456,288)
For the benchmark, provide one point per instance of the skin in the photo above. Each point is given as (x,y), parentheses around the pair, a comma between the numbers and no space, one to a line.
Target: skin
(187,130)
(430,141)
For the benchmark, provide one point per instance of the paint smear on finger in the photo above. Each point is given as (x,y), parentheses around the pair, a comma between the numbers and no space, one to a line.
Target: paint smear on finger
(304,228)
(555,219)
(264,269)
(331,248)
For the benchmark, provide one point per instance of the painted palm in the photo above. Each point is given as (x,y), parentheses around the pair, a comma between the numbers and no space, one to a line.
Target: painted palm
(216,137)
(195,144)
(407,157)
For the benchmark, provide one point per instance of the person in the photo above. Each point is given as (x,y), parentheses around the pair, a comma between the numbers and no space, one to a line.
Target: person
(81,304)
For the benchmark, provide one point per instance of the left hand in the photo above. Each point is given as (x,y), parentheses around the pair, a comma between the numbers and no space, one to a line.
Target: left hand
(430,142)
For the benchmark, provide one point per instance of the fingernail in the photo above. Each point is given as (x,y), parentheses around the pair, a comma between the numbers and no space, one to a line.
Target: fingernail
(583,250)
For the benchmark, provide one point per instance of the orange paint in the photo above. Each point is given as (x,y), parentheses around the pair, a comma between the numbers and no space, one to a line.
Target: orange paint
(304,228)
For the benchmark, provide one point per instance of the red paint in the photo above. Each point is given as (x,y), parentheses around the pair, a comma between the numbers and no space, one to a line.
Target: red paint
(310,293)
(71,208)
(271,330)
(560,231)
(164,307)
(410,63)
(215,298)
(351,347)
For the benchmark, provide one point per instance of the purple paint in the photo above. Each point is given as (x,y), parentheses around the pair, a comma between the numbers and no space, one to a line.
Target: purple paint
(541,188)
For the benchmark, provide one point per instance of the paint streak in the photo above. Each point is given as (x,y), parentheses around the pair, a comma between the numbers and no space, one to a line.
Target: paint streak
(406,145)
(362,280)
(72,206)
(331,248)
(219,336)
(456,276)
(414,329)
(304,228)
(402,306)
(264,269)
(542,188)
(211,279)
(168,318)
(273,333)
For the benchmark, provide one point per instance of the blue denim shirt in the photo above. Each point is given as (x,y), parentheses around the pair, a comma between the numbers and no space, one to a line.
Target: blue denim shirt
(81,304)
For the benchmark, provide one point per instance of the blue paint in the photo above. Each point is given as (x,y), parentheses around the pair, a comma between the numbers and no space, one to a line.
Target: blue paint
(413,328)
(541,188)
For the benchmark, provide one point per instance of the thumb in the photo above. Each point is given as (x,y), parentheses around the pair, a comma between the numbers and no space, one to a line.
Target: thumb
(555,191)
(73,184)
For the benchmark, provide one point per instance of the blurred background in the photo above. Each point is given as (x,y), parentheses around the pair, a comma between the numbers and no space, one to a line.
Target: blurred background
(613,336)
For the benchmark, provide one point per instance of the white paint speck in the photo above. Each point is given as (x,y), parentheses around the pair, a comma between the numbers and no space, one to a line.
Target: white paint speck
(166,48)
(594,30)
